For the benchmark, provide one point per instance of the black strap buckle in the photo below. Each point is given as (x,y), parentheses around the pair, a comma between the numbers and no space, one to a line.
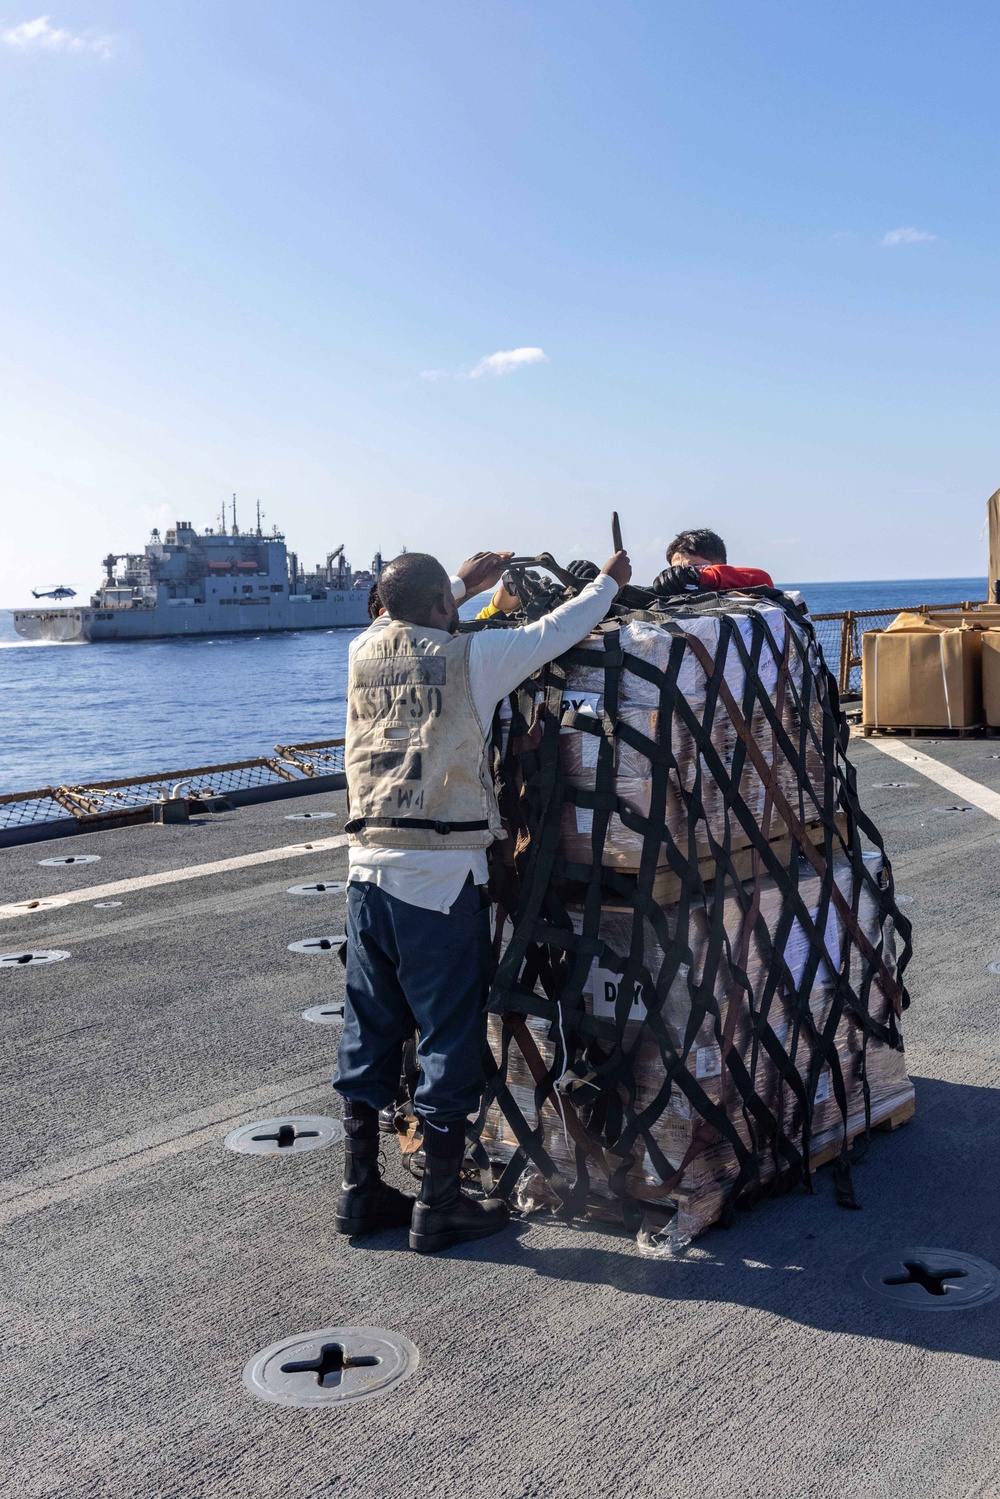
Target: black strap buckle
(443,828)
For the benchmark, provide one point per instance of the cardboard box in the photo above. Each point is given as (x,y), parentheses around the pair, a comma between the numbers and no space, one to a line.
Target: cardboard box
(991,677)
(986,617)
(922,677)
(622,847)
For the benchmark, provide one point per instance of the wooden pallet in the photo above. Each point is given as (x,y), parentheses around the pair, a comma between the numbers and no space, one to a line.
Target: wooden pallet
(921,731)
(667,886)
(894,1120)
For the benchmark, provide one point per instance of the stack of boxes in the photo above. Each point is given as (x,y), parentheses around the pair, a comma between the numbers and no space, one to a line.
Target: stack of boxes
(769,966)
(933,671)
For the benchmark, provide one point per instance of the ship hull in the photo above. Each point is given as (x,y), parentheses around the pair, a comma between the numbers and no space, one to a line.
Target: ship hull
(343,610)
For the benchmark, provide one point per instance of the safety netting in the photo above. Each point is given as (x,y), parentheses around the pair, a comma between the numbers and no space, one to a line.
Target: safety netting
(699,957)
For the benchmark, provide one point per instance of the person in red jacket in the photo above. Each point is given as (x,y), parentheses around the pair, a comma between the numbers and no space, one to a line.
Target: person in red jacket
(698,561)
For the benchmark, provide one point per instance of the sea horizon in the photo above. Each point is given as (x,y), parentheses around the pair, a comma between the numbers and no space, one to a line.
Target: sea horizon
(76,713)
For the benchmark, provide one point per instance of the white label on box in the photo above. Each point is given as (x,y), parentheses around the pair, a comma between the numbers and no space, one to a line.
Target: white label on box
(588,751)
(588,746)
(605,986)
(591,703)
(708,1062)
(823,1087)
(584,819)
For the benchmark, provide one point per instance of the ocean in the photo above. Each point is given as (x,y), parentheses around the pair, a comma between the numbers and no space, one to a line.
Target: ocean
(78,712)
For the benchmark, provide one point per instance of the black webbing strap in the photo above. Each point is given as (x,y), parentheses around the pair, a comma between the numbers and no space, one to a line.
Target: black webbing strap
(358,824)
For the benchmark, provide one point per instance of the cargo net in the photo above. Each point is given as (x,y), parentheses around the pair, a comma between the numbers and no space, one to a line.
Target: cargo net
(699,965)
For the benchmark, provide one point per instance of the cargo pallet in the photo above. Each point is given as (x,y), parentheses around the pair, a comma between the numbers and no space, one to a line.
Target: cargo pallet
(895,1119)
(922,731)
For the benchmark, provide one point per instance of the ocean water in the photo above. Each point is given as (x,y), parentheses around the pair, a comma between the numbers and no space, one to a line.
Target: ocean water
(76,712)
(835,598)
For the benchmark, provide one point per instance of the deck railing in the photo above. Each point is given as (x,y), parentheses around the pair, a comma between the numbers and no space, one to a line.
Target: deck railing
(840,635)
(108,799)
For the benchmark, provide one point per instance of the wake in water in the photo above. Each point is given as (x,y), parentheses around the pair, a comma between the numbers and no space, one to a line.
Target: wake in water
(18,644)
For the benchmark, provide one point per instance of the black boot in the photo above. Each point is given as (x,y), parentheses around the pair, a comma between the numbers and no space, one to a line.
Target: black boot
(444,1215)
(367,1204)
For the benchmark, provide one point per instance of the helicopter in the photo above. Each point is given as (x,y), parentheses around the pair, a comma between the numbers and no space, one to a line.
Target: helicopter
(59,592)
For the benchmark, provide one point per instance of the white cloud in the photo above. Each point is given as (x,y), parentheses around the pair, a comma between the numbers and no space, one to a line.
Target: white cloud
(909,236)
(40,34)
(505,361)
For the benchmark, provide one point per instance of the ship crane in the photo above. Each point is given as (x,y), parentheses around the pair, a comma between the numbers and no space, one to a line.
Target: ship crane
(331,558)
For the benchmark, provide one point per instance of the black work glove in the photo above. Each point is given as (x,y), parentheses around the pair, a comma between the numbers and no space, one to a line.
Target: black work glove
(674,580)
(583,569)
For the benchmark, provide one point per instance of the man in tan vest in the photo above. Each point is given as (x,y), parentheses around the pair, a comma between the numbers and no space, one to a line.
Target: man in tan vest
(420,705)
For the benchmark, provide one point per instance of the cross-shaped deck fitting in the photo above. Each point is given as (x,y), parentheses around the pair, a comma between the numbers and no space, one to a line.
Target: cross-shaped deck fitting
(329,1366)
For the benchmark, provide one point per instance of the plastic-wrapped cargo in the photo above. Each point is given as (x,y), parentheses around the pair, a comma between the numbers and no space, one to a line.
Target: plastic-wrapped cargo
(700,967)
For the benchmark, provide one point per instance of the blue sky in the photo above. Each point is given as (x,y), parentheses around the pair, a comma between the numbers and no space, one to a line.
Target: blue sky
(263,247)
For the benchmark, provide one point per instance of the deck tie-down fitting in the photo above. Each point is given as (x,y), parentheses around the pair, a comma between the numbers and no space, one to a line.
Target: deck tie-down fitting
(333,1366)
(933,1281)
(290,1135)
(287,1134)
(330,1364)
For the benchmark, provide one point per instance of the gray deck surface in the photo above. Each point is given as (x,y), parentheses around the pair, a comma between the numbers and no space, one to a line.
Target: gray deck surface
(143,1264)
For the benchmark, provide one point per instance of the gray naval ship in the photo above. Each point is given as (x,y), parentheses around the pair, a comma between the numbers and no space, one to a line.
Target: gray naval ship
(221,581)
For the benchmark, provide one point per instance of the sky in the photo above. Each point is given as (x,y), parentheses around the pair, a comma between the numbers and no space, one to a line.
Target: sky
(466,274)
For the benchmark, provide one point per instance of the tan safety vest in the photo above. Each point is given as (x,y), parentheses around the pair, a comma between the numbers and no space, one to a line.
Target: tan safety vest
(416,752)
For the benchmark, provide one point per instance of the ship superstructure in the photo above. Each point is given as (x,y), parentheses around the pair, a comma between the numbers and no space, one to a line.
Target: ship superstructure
(216,581)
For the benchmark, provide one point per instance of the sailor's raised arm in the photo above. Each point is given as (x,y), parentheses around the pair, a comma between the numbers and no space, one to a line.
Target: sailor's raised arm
(501,659)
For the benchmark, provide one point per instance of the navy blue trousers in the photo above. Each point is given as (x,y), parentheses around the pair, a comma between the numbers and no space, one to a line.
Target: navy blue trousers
(411,968)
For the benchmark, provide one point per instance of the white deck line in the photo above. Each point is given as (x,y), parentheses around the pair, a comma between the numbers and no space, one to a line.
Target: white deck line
(952,780)
(168,877)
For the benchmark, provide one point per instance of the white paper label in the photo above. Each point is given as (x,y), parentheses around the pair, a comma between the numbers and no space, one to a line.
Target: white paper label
(584,819)
(823,1087)
(605,986)
(708,1062)
(591,703)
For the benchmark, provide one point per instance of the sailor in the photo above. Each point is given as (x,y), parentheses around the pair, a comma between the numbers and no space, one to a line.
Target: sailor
(697,560)
(423,812)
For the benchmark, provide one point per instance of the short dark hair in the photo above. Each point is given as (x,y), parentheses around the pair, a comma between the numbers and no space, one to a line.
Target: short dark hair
(410,585)
(699,544)
(374,602)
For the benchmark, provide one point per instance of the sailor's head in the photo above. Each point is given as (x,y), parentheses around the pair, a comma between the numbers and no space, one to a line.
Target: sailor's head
(696,549)
(415,587)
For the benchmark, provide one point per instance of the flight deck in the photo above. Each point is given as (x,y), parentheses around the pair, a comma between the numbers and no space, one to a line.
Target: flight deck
(145,1264)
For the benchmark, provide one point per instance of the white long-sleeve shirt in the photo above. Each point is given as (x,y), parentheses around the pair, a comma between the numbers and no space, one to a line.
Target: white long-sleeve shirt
(499,660)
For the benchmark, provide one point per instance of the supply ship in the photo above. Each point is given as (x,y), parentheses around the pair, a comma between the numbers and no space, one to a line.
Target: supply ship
(220,581)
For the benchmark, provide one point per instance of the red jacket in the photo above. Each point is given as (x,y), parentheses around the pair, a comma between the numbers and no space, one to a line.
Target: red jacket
(718,576)
(723,577)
